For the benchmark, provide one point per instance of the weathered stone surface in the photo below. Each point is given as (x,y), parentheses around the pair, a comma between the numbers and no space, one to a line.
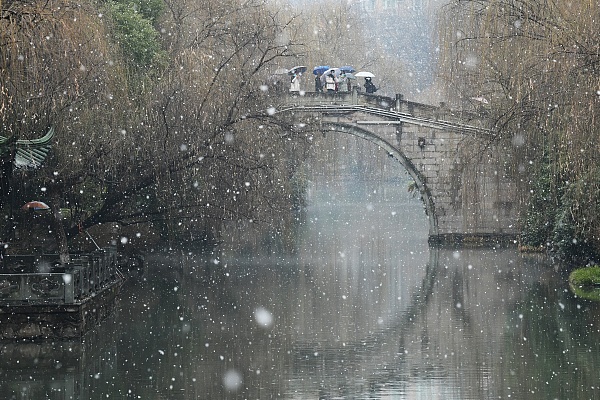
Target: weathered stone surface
(29,330)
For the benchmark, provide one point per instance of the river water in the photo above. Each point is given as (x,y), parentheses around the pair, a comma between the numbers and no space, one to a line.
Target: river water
(356,306)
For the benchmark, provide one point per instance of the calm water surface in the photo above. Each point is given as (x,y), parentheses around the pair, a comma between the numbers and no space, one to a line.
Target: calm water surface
(357,306)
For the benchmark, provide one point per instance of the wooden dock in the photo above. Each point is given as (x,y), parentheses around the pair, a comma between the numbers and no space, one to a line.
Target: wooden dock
(42,299)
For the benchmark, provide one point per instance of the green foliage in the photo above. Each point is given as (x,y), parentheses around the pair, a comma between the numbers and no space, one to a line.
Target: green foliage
(539,218)
(569,238)
(588,293)
(135,33)
(565,242)
(586,209)
(563,218)
(584,282)
(588,276)
(150,9)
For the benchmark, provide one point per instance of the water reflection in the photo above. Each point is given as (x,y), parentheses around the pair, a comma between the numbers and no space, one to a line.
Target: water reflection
(360,308)
(479,324)
(58,370)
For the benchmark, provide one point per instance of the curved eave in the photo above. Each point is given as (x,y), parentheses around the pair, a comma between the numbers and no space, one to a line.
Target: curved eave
(30,153)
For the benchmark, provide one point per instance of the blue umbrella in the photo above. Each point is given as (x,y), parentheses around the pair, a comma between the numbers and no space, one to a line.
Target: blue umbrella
(320,69)
(347,69)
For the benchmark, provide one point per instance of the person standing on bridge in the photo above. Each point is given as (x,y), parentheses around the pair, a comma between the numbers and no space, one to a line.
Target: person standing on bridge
(369,86)
(318,85)
(345,78)
(295,83)
(330,83)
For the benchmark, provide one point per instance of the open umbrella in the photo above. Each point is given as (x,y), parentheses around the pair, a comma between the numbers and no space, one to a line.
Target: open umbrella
(320,69)
(347,69)
(299,69)
(35,206)
(364,74)
(335,71)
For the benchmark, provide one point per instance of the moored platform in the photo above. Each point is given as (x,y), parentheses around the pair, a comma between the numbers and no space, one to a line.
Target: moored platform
(43,299)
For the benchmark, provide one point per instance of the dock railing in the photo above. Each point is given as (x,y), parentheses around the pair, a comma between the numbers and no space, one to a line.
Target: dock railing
(41,279)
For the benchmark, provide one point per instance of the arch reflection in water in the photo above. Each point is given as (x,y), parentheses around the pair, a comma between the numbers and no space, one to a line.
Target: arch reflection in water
(347,311)
(475,324)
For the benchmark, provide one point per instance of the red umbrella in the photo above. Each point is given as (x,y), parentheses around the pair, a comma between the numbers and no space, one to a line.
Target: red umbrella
(35,206)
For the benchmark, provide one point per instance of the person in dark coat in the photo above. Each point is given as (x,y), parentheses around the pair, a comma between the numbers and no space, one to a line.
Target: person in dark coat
(369,86)
(318,85)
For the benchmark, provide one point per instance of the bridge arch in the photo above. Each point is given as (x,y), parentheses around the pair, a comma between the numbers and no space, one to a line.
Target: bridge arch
(453,156)
(399,156)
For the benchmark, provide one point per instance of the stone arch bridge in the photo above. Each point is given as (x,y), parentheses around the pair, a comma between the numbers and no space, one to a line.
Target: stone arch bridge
(459,169)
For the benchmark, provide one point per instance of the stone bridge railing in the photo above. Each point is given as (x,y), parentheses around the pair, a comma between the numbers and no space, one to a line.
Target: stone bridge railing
(441,117)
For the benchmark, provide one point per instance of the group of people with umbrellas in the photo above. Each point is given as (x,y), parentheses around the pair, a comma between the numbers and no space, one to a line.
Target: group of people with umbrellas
(329,79)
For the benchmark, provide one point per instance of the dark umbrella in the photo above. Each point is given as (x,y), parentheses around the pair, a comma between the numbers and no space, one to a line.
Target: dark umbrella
(347,69)
(320,69)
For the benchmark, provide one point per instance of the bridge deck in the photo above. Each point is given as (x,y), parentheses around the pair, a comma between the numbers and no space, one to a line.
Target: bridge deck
(395,110)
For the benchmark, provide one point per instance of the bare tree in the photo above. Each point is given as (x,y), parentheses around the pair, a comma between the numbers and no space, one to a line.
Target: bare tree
(536,63)
(200,148)
(180,146)
(55,70)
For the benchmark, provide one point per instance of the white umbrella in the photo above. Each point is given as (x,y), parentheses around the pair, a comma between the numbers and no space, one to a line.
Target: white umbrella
(298,69)
(335,71)
(364,74)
